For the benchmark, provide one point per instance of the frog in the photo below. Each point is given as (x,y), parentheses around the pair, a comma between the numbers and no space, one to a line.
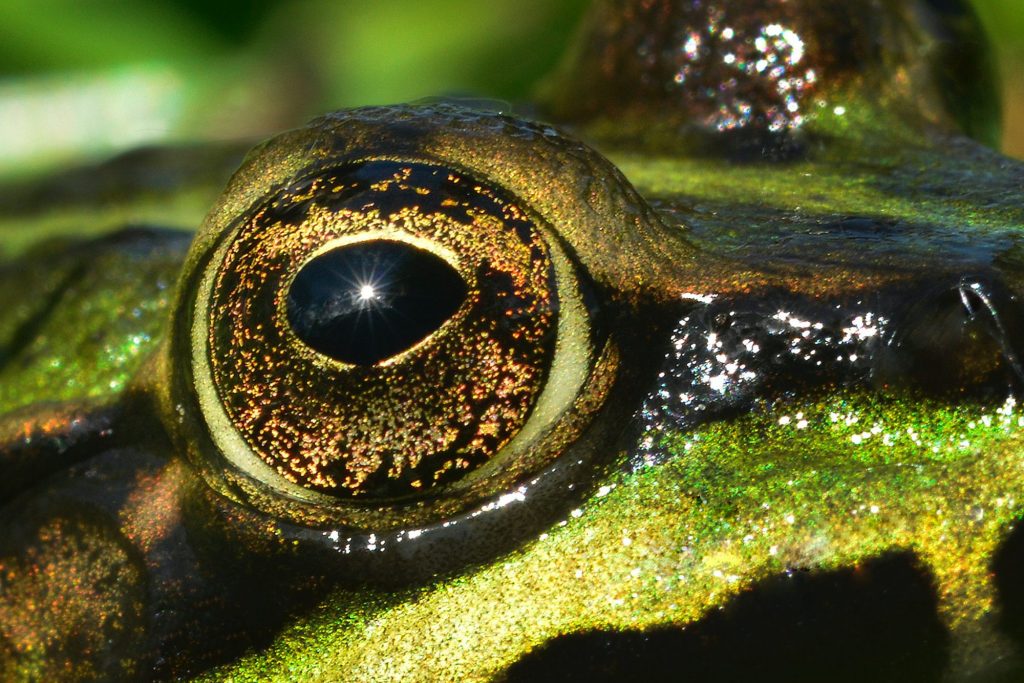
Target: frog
(705,365)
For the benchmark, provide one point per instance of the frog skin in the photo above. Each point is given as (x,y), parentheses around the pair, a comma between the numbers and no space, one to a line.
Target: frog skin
(731,388)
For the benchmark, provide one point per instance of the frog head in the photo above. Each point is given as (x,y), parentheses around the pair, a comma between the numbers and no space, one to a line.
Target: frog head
(710,365)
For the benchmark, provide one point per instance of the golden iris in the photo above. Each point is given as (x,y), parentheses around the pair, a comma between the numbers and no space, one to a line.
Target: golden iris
(413,420)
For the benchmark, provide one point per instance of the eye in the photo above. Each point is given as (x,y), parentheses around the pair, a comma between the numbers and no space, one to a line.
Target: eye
(379,340)
(383,328)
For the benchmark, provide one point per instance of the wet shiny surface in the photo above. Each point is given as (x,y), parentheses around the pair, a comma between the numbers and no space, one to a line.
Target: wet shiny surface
(769,386)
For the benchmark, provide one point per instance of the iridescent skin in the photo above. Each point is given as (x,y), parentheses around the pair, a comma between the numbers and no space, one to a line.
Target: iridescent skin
(809,457)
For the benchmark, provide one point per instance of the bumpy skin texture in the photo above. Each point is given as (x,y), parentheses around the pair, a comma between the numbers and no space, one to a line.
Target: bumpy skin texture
(793,449)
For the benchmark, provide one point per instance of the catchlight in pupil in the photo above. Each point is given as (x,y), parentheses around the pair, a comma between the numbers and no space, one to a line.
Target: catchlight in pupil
(366,302)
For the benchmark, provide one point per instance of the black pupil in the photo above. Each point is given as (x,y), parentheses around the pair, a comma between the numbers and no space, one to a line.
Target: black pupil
(364,303)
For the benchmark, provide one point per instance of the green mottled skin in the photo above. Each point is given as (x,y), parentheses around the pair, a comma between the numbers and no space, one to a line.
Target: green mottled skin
(829,483)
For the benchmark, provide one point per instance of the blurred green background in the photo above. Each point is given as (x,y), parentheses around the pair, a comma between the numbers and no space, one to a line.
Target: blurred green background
(82,78)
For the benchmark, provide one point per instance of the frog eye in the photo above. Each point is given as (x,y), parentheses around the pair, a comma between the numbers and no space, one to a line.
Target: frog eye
(383,340)
(383,328)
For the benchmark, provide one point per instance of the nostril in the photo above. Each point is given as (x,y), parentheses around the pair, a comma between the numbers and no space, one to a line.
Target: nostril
(961,340)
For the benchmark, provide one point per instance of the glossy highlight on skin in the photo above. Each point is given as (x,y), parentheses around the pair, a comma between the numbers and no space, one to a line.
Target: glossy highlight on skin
(755,347)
